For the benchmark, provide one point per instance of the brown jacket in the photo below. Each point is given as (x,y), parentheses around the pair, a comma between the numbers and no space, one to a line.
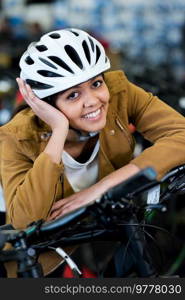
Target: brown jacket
(32,182)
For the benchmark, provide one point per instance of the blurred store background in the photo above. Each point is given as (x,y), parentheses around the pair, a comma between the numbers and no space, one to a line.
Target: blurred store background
(145,38)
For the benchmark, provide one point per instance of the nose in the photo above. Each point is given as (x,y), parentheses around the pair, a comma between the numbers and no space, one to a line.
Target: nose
(90,99)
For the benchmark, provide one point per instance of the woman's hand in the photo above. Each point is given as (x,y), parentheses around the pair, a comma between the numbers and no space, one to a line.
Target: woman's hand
(74,202)
(46,112)
(92,193)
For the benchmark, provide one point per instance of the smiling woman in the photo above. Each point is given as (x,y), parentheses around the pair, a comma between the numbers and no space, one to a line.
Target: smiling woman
(85,105)
(72,142)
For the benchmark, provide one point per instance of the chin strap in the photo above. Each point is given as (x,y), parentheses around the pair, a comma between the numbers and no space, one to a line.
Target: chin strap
(82,137)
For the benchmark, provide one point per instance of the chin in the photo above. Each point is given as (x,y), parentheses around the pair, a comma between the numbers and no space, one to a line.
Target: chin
(91,127)
(94,128)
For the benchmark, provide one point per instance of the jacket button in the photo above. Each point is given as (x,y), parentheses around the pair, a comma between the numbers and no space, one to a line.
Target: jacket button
(112,132)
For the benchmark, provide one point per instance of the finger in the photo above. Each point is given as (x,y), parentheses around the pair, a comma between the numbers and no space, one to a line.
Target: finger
(31,94)
(21,85)
(59,204)
(66,204)
(62,210)
(55,214)
(60,213)
(55,209)
(23,90)
(28,95)
(68,208)
(49,218)
(19,82)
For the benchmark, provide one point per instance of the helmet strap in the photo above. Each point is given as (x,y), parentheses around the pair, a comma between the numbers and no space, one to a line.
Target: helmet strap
(81,137)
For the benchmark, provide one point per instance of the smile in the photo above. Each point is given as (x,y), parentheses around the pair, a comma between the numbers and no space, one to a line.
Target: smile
(93,114)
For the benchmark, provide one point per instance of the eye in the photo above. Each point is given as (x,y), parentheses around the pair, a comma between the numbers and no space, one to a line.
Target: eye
(73,96)
(97,83)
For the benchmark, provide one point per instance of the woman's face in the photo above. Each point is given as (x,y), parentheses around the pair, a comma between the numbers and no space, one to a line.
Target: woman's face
(85,105)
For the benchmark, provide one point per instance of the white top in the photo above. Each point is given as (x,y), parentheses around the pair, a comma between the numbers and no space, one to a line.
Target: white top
(81,175)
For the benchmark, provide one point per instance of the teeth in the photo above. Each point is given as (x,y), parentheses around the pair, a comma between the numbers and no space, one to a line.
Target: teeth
(92,115)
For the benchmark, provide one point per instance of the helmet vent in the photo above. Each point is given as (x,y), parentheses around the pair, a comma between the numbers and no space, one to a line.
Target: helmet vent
(106,59)
(74,32)
(29,60)
(48,74)
(41,48)
(86,50)
(55,35)
(74,56)
(61,63)
(47,63)
(38,85)
(92,44)
(97,53)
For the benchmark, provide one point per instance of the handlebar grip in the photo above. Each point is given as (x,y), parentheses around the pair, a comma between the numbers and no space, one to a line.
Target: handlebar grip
(3,239)
(6,227)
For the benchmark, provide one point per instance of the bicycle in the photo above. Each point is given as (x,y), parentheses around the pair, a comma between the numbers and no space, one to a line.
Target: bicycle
(121,214)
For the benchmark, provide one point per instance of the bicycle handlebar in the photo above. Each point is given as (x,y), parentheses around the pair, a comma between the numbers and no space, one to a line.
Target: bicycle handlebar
(136,184)
(142,179)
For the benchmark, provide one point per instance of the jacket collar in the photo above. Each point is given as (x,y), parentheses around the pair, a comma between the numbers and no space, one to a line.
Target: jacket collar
(115,81)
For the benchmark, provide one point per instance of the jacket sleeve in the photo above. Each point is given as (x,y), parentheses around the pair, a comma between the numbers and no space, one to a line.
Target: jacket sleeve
(29,187)
(161,125)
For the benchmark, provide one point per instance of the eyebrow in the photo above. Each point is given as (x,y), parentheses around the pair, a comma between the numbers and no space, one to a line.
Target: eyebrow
(77,86)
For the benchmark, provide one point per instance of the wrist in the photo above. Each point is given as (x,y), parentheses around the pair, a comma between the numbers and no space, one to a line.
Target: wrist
(118,176)
(62,130)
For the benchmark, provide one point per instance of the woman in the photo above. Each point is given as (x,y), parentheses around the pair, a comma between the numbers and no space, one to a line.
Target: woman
(72,143)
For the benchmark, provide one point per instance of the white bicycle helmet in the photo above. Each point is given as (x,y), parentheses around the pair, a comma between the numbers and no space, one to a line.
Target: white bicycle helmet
(62,59)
